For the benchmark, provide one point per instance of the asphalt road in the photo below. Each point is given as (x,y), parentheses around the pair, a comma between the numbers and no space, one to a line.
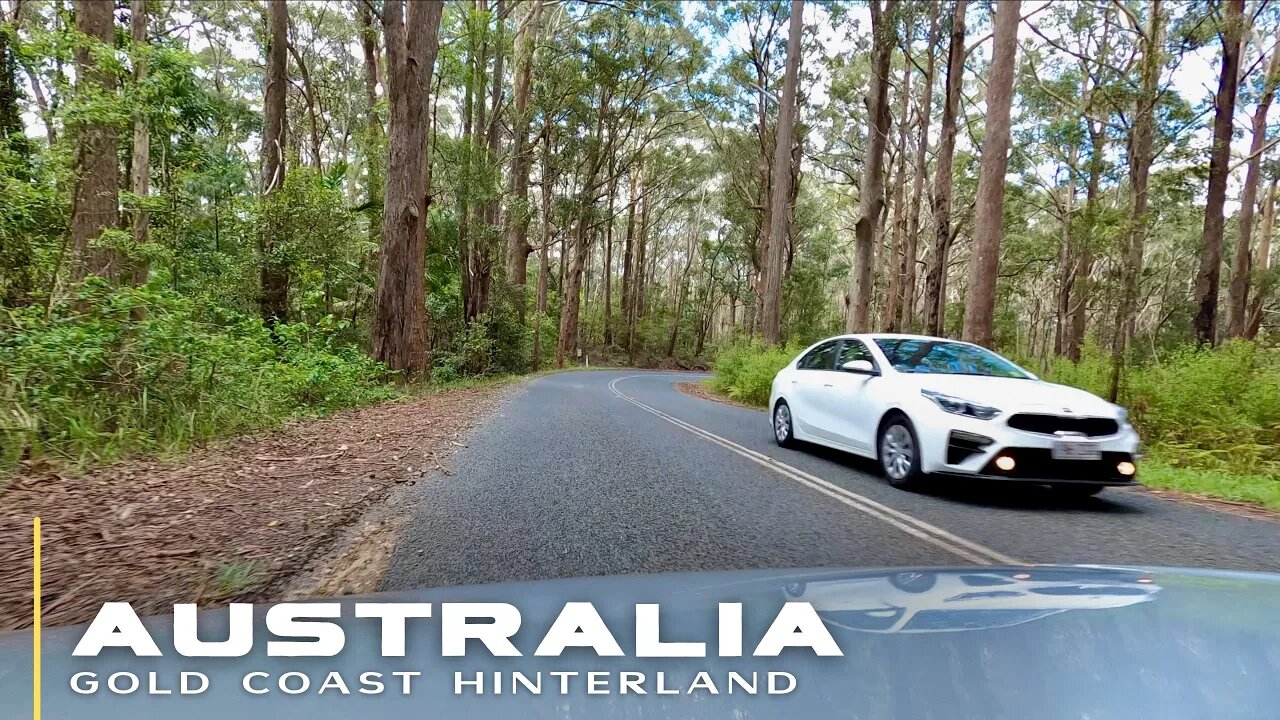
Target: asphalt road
(615,472)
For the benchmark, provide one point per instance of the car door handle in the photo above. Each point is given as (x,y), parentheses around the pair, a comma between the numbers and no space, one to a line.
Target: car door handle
(793,382)
(826,385)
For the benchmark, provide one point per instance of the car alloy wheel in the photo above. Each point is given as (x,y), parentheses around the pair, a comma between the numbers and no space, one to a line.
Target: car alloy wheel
(897,452)
(782,431)
(900,454)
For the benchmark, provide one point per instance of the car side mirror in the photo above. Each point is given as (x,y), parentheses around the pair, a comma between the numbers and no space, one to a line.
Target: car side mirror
(862,367)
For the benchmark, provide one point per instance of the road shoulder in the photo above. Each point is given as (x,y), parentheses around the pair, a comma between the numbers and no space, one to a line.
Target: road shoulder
(235,521)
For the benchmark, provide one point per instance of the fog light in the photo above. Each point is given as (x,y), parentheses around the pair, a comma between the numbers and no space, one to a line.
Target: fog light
(1126,468)
(1005,463)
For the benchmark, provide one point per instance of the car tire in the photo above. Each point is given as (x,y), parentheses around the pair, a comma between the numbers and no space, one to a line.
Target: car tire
(1078,491)
(784,432)
(898,451)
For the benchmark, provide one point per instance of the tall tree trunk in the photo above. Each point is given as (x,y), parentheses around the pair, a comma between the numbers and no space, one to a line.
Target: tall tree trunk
(140,171)
(628,249)
(984,265)
(607,276)
(570,295)
(1082,281)
(1066,260)
(373,134)
(910,251)
(471,107)
(637,282)
(94,206)
(1238,291)
(492,231)
(935,300)
(309,99)
(871,191)
(517,220)
(544,263)
(896,254)
(1209,274)
(776,250)
(274,274)
(1263,270)
(400,318)
(1141,156)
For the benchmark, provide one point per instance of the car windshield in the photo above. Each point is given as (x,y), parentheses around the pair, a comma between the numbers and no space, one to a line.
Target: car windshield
(942,357)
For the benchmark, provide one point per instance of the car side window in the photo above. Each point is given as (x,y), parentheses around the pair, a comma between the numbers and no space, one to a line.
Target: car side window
(854,350)
(819,358)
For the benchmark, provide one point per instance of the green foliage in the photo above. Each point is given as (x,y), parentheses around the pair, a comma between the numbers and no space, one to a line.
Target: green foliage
(1216,410)
(745,370)
(145,369)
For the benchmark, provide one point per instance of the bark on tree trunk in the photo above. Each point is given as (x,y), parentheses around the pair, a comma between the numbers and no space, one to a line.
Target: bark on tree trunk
(1066,260)
(309,98)
(776,250)
(907,319)
(1263,270)
(1082,285)
(1141,156)
(628,250)
(274,275)
(607,276)
(984,265)
(682,284)
(935,300)
(871,191)
(373,135)
(1209,274)
(570,296)
(544,263)
(896,254)
(1238,290)
(517,220)
(140,170)
(94,205)
(485,257)
(400,319)
(637,282)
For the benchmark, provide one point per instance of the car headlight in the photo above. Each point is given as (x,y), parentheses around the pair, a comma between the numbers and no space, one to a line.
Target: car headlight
(1122,415)
(960,406)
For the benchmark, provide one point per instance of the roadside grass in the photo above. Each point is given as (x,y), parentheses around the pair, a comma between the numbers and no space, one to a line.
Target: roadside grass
(235,577)
(1261,490)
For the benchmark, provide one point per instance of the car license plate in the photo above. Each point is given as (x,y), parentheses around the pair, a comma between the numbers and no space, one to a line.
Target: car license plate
(1075,450)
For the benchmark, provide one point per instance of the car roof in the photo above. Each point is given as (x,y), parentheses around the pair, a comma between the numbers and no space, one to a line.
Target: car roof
(894,336)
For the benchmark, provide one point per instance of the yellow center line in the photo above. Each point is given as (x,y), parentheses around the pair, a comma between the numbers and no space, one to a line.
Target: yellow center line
(35,657)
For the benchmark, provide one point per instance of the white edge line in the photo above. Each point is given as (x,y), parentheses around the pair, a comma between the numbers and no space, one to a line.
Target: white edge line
(956,545)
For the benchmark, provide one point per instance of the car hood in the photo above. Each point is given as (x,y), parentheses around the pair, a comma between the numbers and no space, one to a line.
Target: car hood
(1121,642)
(1015,394)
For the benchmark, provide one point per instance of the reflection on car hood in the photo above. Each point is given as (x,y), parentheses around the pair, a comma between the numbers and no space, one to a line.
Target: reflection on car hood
(1016,394)
(1016,642)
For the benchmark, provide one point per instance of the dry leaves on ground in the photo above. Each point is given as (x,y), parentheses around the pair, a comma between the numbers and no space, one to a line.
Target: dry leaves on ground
(228,522)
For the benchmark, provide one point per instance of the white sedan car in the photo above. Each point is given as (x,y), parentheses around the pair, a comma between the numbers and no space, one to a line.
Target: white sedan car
(927,406)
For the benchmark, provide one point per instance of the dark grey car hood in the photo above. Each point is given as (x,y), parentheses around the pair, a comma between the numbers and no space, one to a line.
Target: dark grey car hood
(980,642)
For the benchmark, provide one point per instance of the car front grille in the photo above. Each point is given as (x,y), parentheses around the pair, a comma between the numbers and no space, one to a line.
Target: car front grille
(1051,424)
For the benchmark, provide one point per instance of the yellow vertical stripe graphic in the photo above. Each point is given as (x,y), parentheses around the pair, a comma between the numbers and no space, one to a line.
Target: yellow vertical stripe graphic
(35,650)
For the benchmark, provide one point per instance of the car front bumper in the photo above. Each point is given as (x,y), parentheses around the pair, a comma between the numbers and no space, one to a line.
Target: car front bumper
(969,448)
